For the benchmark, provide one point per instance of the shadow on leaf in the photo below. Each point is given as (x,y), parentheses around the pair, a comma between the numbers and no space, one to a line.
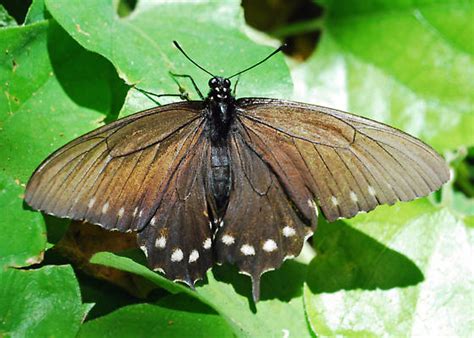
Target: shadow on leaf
(182,302)
(347,259)
(87,78)
(284,283)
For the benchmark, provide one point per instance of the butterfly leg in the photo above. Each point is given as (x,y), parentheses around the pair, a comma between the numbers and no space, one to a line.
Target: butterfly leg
(150,94)
(174,76)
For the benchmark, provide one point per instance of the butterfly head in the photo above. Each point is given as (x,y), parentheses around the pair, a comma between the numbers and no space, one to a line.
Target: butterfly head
(219,88)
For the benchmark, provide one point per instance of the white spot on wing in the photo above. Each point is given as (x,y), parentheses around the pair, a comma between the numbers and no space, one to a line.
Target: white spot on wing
(160,242)
(193,256)
(153,220)
(247,250)
(269,245)
(144,249)
(371,190)
(135,212)
(228,240)
(308,234)
(91,202)
(334,201)
(121,212)
(140,213)
(354,197)
(160,270)
(207,244)
(105,208)
(177,255)
(288,231)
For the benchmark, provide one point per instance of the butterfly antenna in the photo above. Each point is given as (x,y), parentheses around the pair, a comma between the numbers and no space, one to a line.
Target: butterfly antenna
(279,49)
(192,61)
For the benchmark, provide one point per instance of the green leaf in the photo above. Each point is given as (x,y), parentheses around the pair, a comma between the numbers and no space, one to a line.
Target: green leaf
(40,303)
(174,316)
(127,264)
(462,204)
(140,46)
(36,12)
(347,259)
(106,297)
(22,235)
(407,63)
(52,91)
(5,18)
(375,288)
(279,312)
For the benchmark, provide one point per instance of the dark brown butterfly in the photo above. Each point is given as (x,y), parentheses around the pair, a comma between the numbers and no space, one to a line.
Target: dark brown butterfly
(231,180)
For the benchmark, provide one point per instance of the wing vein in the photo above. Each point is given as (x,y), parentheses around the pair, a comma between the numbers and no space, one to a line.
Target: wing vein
(170,175)
(290,134)
(388,172)
(63,166)
(401,166)
(355,180)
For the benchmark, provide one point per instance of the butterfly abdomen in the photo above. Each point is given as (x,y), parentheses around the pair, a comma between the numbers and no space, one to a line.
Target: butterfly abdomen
(220,177)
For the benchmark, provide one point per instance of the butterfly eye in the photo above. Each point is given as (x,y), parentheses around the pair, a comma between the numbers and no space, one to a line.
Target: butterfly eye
(212,82)
(227,82)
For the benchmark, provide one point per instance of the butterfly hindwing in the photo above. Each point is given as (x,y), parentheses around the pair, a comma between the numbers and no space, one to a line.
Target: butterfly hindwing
(178,239)
(261,226)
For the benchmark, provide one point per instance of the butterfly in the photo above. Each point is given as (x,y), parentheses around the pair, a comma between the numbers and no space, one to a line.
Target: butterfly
(231,180)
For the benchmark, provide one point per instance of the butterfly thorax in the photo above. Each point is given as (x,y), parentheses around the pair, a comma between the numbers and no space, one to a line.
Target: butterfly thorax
(220,105)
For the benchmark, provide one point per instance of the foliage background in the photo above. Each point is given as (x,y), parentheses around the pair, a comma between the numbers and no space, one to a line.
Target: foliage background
(403,270)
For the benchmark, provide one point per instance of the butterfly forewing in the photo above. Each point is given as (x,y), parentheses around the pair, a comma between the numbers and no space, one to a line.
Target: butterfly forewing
(76,180)
(350,164)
